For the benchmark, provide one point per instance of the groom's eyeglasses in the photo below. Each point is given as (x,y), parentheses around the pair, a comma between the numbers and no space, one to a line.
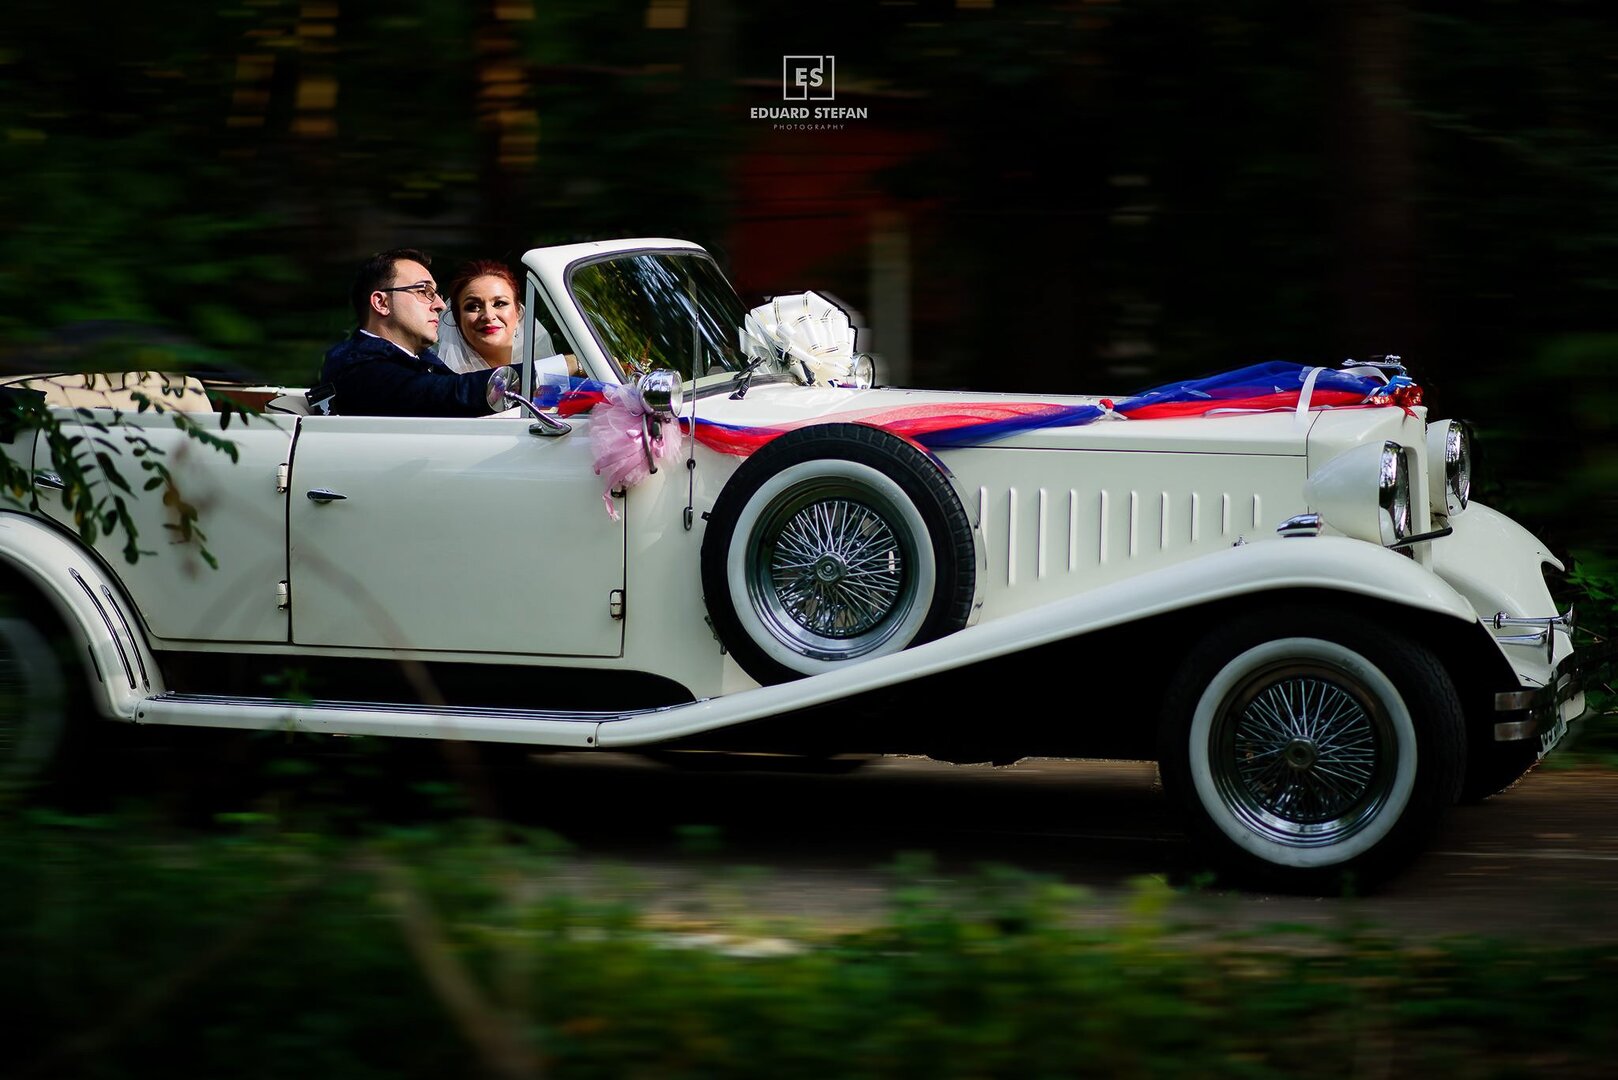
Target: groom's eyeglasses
(421,289)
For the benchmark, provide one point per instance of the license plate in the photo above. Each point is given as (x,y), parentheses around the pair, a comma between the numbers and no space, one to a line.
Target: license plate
(1549,739)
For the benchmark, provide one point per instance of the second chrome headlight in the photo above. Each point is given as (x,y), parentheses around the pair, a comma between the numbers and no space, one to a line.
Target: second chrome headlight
(1449,466)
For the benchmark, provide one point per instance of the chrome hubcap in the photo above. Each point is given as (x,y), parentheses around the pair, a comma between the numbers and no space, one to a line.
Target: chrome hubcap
(829,570)
(1300,754)
(1303,755)
(836,569)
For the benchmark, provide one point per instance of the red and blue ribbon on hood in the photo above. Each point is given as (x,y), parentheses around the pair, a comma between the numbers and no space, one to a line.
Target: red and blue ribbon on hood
(1268,387)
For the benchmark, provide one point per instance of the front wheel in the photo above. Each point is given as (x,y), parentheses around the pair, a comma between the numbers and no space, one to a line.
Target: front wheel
(1311,750)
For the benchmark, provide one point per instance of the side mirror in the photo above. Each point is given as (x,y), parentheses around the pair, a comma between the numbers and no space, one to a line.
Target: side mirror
(504,383)
(501,393)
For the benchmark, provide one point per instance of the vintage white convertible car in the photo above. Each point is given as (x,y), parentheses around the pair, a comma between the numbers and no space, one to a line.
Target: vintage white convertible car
(1271,582)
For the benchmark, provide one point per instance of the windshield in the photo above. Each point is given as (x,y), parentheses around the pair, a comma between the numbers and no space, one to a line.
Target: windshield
(664,309)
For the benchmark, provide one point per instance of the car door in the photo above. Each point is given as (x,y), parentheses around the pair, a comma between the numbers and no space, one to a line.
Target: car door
(459,535)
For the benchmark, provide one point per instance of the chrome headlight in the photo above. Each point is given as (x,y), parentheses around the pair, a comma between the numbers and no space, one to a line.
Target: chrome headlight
(1365,493)
(1449,466)
(864,373)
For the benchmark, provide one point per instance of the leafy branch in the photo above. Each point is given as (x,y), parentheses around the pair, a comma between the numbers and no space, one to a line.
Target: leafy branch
(90,451)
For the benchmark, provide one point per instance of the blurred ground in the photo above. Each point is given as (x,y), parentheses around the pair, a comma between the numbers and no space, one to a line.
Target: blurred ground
(724,846)
(1539,862)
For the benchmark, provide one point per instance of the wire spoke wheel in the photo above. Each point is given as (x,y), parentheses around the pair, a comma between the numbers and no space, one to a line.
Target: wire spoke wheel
(837,569)
(1312,748)
(835,543)
(1302,755)
(830,569)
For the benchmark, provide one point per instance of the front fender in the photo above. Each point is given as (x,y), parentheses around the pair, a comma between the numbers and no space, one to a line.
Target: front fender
(1499,567)
(89,602)
(1334,564)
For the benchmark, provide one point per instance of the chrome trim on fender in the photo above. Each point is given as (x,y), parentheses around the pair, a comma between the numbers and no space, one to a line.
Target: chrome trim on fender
(117,642)
(146,680)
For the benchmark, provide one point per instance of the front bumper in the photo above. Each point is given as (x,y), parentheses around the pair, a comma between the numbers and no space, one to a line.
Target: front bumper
(1550,712)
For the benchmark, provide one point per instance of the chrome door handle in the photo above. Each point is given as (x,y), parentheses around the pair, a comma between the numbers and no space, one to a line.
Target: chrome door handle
(49,480)
(321,495)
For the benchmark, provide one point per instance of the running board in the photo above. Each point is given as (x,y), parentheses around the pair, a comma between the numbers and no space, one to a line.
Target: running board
(476,724)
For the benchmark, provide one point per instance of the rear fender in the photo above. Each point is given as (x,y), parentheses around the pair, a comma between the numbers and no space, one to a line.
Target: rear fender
(107,634)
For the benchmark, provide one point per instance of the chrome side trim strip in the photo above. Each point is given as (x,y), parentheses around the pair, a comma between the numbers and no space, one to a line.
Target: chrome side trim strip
(112,602)
(586,716)
(129,672)
(404,721)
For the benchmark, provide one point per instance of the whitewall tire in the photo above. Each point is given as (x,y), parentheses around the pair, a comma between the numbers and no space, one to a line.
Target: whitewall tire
(835,544)
(1307,747)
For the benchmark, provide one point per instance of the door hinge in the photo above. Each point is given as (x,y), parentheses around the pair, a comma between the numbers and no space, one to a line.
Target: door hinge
(283,478)
(615,603)
(283,595)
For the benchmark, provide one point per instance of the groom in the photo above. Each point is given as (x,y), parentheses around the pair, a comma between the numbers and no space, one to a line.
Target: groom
(387,367)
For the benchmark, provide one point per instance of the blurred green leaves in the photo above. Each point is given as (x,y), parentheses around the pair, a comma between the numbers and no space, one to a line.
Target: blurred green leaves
(457,950)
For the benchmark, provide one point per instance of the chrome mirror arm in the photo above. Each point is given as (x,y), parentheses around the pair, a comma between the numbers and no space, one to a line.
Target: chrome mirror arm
(500,393)
(543,425)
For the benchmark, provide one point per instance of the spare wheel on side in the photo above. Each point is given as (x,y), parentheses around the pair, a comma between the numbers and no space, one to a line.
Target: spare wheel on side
(832,544)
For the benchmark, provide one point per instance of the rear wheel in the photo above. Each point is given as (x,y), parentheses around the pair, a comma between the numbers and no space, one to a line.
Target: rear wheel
(1311,750)
(33,708)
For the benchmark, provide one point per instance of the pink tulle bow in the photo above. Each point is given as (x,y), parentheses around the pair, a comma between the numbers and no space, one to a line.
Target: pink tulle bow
(618,439)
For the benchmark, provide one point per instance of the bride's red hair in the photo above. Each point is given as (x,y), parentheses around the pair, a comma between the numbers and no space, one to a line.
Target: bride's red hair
(470,272)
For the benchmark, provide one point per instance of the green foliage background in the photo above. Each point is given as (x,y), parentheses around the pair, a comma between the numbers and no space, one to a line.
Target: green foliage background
(453,951)
(1098,196)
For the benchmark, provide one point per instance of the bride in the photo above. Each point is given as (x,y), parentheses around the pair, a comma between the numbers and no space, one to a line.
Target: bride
(483,327)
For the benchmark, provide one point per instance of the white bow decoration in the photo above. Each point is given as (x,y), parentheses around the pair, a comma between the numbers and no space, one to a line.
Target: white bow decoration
(807,331)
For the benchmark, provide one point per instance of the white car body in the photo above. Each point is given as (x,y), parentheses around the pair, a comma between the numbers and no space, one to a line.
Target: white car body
(477,544)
